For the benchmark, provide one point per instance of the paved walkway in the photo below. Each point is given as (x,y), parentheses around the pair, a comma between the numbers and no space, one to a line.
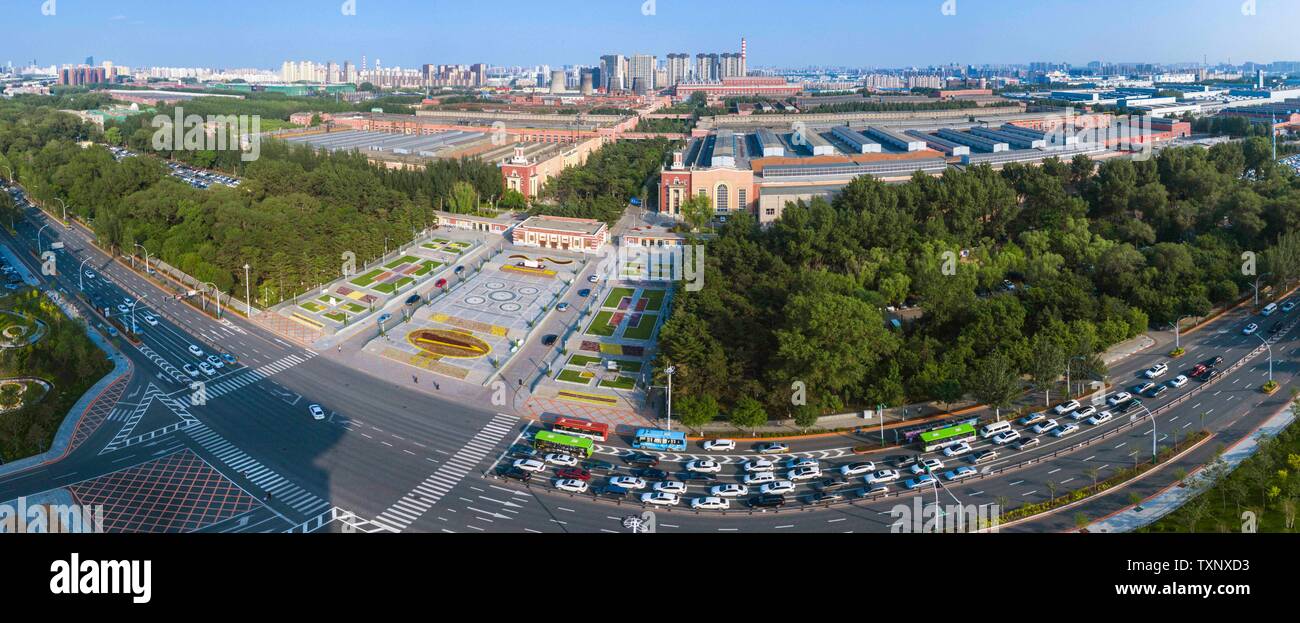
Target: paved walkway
(1171,498)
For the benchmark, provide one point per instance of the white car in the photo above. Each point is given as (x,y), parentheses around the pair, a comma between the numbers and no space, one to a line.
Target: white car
(1066,407)
(1118,399)
(215,362)
(207,369)
(627,482)
(150,320)
(1007,437)
(1178,381)
(759,478)
(1043,427)
(562,460)
(90,275)
(1087,411)
(1100,418)
(317,413)
(670,486)
(571,485)
(710,503)
(876,490)
(779,487)
(196,351)
(659,498)
(1065,430)
(123,309)
(729,491)
(530,465)
(928,465)
(806,472)
(957,449)
(191,370)
(861,467)
(1250,329)
(960,473)
(883,476)
(924,480)
(1156,371)
(802,462)
(704,467)
(759,465)
(717,445)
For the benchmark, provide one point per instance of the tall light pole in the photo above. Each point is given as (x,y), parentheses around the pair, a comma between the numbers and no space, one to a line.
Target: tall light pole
(1069,393)
(1177,342)
(38,237)
(670,371)
(133,304)
(248,296)
(1257,287)
(146,257)
(81,274)
(1270,355)
(65,210)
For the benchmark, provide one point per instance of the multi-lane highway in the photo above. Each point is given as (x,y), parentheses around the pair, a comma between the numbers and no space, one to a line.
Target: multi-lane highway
(402,458)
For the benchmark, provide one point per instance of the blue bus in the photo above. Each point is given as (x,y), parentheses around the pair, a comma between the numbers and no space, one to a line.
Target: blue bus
(664,440)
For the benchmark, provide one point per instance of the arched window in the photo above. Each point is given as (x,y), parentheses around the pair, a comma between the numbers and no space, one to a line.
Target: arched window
(721,201)
(740,199)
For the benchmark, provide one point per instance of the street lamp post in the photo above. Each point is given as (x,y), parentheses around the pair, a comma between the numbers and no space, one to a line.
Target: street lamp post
(65,210)
(1270,355)
(81,274)
(670,371)
(133,304)
(1177,341)
(146,257)
(248,297)
(1068,391)
(38,237)
(1257,286)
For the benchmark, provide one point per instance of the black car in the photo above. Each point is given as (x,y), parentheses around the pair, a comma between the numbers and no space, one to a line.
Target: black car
(831,484)
(903,461)
(650,473)
(697,477)
(1128,405)
(1210,374)
(825,498)
(522,452)
(614,492)
(767,501)
(514,473)
(641,460)
(549,340)
(1212,361)
(1277,326)
(594,465)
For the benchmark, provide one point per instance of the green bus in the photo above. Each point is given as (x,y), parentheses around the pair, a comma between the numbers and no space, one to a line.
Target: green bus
(944,437)
(549,441)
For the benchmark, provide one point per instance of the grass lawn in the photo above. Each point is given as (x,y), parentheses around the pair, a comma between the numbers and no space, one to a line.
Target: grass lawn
(617,295)
(356,308)
(622,382)
(600,325)
(405,259)
(403,282)
(582,360)
(573,376)
(656,298)
(337,317)
(366,279)
(628,365)
(311,306)
(427,267)
(644,330)
(386,288)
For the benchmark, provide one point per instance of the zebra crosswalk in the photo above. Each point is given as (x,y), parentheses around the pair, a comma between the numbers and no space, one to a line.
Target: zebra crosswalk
(131,418)
(172,371)
(265,478)
(407,510)
(242,379)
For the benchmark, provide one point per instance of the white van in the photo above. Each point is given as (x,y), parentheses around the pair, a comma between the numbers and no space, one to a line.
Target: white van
(995,428)
(1269,309)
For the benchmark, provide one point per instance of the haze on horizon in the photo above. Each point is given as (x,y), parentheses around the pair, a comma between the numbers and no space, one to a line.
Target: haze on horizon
(836,33)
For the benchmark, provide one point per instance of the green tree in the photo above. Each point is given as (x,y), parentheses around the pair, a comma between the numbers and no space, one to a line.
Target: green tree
(697,211)
(695,411)
(995,382)
(748,414)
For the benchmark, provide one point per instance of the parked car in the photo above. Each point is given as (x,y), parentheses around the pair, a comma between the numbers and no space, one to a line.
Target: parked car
(719,445)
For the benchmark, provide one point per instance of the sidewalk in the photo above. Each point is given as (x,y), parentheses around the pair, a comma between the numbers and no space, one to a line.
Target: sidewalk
(1174,496)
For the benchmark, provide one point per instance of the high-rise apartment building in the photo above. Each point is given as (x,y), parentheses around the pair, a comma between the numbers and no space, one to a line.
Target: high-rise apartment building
(679,69)
(613,72)
(642,67)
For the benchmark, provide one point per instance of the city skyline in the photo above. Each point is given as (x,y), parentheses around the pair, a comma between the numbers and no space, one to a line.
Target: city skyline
(561,33)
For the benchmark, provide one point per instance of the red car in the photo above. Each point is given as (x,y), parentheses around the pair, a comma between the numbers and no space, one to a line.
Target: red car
(441,283)
(574,473)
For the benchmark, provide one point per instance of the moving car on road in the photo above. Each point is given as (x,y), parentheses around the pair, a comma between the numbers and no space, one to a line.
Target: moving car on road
(529,465)
(924,480)
(196,351)
(1065,430)
(571,485)
(1100,418)
(957,449)
(1066,407)
(883,476)
(729,490)
(1250,329)
(708,467)
(1043,427)
(960,473)
(767,501)
(627,482)
(779,487)
(1118,397)
(659,498)
(860,467)
(1178,381)
(710,503)
(317,413)
(1007,437)
(772,448)
(719,445)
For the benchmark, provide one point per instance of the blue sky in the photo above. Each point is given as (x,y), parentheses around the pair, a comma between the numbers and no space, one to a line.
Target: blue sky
(880,33)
